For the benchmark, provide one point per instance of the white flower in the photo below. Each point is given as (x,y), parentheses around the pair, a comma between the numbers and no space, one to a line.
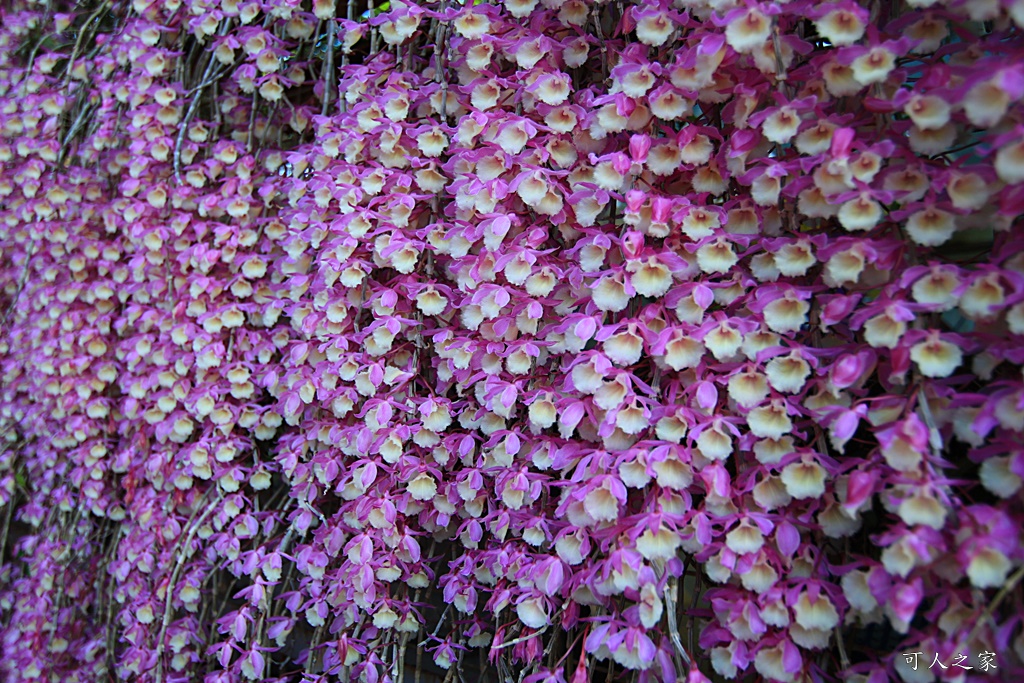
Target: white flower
(723,341)
(873,66)
(654,28)
(935,357)
(624,348)
(936,288)
(714,443)
(982,297)
(432,142)
(533,189)
(786,314)
(532,612)
(520,8)
(1010,163)
(748,31)
(542,413)
(884,331)
(698,150)
(472,25)
(586,378)
(683,351)
(745,538)
(997,477)
(857,591)
(781,125)
(667,104)
(770,421)
(716,256)
(650,278)
(631,419)
(787,373)
(609,294)
(815,614)
(637,81)
(804,479)
(769,663)
(553,89)
(967,190)
(748,388)
(862,213)
(928,112)
(988,568)
(611,394)
(840,27)
(672,473)
(921,507)
(986,104)
(658,546)
(601,504)
(931,227)
(423,487)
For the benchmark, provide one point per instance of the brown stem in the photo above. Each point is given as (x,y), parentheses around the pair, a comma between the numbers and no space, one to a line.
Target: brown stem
(440,76)
(252,121)
(671,589)
(601,41)
(182,549)
(8,513)
(79,122)
(17,295)
(78,43)
(986,615)
(313,645)
(110,633)
(192,107)
(521,639)
(780,68)
(693,607)
(329,66)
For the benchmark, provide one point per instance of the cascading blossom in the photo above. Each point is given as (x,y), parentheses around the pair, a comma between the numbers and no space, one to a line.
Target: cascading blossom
(641,341)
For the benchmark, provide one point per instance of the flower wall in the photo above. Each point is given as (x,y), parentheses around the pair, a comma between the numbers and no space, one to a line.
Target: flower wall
(543,341)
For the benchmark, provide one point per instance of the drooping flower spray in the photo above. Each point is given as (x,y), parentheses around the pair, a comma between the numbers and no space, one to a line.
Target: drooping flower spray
(546,340)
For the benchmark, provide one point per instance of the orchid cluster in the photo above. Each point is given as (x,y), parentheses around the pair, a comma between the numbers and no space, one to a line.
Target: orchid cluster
(546,341)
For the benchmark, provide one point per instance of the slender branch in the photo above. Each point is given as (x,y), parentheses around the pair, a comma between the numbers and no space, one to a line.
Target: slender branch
(21,285)
(438,626)
(673,627)
(990,609)
(419,649)
(252,121)
(211,80)
(111,636)
(844,659)
(192,107)
(79,122)
(32,58)
(78,42)
(602,44)
(182,550)
(8,513)
(934,435)
(693,608)
(180,140)
(440,76)
(780,67)
(313,645)
(521,639)
(332,26)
